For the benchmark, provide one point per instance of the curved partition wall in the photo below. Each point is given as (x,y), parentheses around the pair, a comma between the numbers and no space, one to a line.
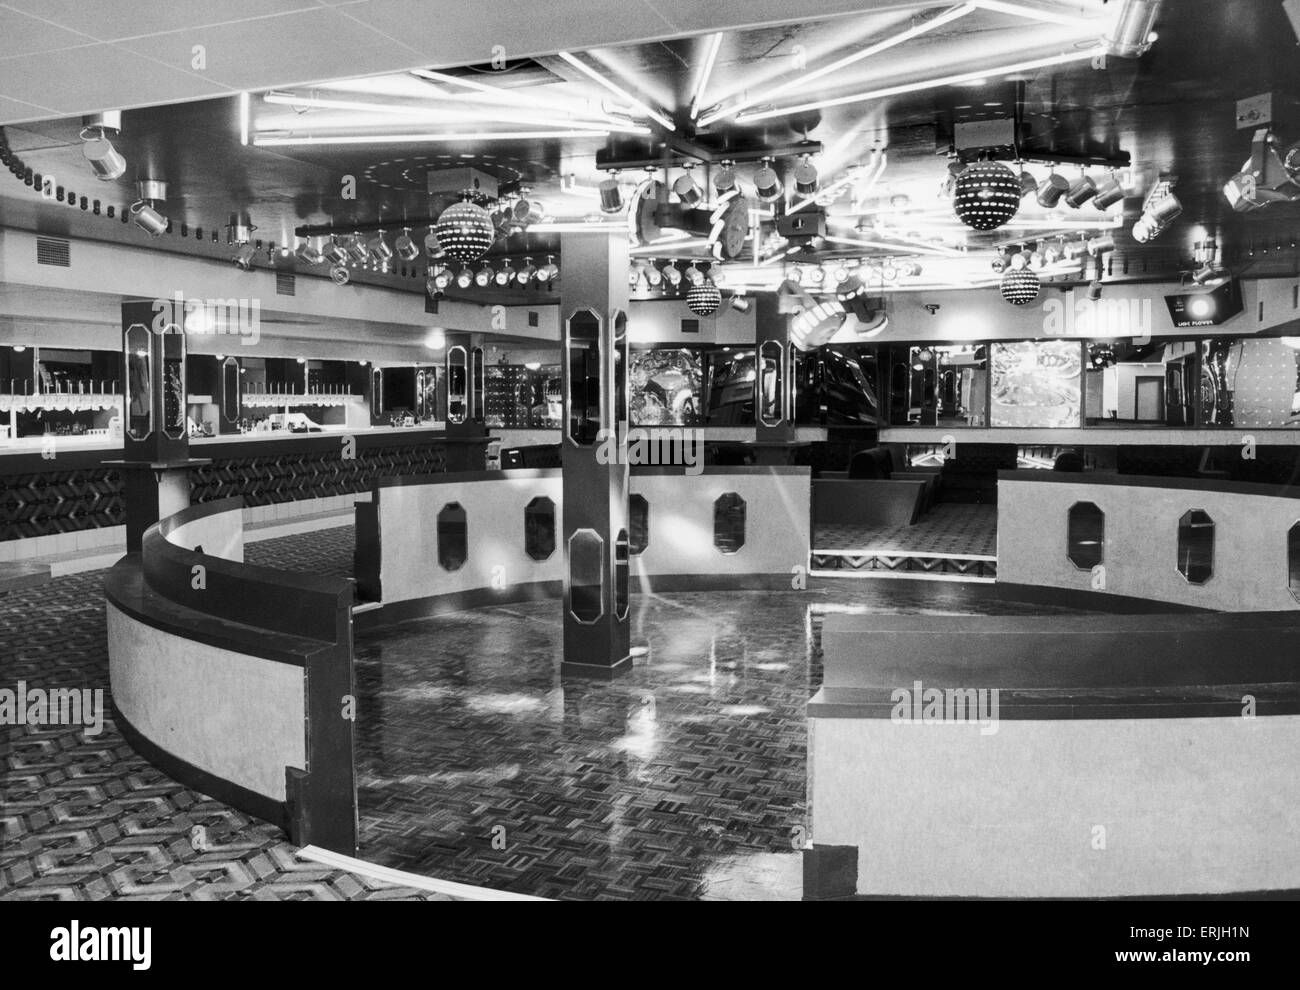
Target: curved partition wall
(1197,543)
(1055,756)
(235,679)
(453,541)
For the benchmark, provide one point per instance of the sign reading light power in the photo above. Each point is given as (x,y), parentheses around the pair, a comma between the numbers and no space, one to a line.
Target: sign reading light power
(1206,309)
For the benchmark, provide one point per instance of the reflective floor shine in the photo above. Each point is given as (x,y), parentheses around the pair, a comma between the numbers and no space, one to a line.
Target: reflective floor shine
(684,779)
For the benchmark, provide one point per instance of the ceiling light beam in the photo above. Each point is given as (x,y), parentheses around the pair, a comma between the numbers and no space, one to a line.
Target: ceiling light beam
(1064,58)
(952,14)
(618,91)
(702,83)
(285,140)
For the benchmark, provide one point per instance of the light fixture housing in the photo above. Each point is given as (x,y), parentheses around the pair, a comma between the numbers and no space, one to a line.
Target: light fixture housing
(147,218)
(611,197)
(308,254)
(687,189)
(1083,190)
(807,180)
(1109,193)
(484,276)
(405,246)
(767,184)
(1051,191)
(505,275)
(106,161)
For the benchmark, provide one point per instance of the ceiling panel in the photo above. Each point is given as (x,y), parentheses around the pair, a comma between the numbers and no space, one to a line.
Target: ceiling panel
(112,21)
(24,35)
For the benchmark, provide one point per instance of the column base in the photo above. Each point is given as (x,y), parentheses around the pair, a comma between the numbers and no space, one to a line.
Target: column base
(571,668)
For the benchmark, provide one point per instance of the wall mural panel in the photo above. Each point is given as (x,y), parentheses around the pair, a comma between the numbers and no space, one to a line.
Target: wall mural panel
(1036,383)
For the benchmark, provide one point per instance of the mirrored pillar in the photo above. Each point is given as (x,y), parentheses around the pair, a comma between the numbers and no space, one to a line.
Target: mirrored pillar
(593,328)
(155,435)
(467,434)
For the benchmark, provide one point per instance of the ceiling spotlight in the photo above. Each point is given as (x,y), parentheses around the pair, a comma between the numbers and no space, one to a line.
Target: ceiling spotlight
(840,273)
(465,278)
(724,179)
(1109,193)
(633,276)
(105,160)
(379,250)
(987,195)
(1074,249)
(910,269)
(1100,245)
(438,281)
(1051,255)
(694,275)
(654,276)
(465,231)
(1094,290)
(483,278)
(244,255)
(1028,184)
(1157,217)
(358,253)
(1036,260)
(806,179)
(1018,260)
(506,273)
(335,253)
(431,246)
(611,198)
(1051,191)
(814,276)
(999,262)
(405,246)
(1206,273)
(308,254)
(687,189)
(1081,192)
(525,274)
(888,271)
(741,305)
(147,218)
(340,275)
(767,184)
(549,272)
(1131,35)
(673,274)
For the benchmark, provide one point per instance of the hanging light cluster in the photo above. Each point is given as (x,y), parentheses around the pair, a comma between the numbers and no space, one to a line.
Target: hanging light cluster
(703,297)
(986,195)
(1020,286)
(465,231)
(443,276)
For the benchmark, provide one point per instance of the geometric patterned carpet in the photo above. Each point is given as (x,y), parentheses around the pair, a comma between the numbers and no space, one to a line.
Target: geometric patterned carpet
(84,818)
(949,528)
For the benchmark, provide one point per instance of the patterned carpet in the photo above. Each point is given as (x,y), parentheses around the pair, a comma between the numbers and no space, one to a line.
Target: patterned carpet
(84,818)
(954,528)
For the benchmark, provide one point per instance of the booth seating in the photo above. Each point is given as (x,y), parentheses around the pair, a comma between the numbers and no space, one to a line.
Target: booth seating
(872,493)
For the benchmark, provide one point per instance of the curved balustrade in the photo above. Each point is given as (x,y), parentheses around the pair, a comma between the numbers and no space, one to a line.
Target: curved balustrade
(235,679)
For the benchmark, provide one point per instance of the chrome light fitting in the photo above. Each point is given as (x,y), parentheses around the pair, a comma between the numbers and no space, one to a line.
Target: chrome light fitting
(527,273)
(142,211)
(465,278)
(687,189)
(239,229)
(484,276)
(335,253)
(1131,36)
(245,254)
(549,272)
(1156,217)
(806,178)
(107,163)
(1051,191)
(379,250)
(1082,191)
(405,246)
(357,249)
(309,254)
(504,276)
(611,198)
(1108,194)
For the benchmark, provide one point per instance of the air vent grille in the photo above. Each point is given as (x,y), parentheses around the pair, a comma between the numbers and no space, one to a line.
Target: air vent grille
(690,326)
(53,251)
(286,284)
(532,318)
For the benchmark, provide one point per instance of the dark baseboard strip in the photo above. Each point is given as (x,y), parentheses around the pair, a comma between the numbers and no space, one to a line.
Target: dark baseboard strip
(218,788)
(1099,601)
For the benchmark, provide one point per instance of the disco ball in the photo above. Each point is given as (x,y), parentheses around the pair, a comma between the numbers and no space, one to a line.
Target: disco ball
(465,231)
(1020,286)
(987,195)
(703,298)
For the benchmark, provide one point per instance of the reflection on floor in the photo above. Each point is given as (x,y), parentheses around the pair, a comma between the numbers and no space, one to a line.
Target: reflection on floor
(953,528)
(685,779)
